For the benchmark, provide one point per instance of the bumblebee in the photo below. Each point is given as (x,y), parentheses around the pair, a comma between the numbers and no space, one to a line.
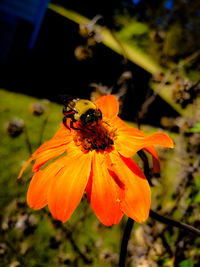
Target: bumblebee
(80,110)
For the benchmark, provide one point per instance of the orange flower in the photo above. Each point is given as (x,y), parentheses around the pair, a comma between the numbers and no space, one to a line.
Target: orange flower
(99,160)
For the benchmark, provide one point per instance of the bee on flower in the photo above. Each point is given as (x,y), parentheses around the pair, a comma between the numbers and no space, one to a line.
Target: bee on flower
(95,149)
(81,110)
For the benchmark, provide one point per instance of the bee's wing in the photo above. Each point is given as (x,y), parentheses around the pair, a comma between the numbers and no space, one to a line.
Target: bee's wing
(69,102)
(66,99)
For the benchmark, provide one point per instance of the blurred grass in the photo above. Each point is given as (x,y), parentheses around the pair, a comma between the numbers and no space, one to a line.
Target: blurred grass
(13,154)
(14,151)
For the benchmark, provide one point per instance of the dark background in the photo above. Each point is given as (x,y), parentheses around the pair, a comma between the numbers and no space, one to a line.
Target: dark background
(51,69)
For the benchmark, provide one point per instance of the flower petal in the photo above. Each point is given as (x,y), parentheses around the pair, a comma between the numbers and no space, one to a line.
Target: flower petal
(156,161)
(68,186)
(137,200)
(108,105)
(40,183)
(118,123)
(61,137)
(104,193)
(47,155)
(50,149)
(50,152)
(24,167)
(130,140)
(36,195)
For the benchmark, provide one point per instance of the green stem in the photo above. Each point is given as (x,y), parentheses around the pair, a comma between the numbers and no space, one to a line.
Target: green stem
(42,131)
(28,140)
(124,244)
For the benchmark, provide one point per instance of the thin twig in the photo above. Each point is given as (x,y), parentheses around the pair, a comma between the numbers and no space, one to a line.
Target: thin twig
(42,131)
(76,248)
(27,140)
(166,245)
(150,100)
(124,243)
(174,223)
(69,235)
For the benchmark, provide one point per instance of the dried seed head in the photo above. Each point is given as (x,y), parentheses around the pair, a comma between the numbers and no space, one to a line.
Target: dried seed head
(83,52)
(14,127)
(37,109)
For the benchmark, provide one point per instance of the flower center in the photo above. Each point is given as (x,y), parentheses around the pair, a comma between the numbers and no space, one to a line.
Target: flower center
(97,136)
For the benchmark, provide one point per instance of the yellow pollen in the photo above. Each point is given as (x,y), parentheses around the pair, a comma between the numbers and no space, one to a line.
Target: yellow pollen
(118,200)
(97,136)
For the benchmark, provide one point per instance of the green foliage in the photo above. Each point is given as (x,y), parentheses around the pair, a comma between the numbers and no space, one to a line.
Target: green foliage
(173,40)
(197,196)
(186,263)
(134,33)
(195,129)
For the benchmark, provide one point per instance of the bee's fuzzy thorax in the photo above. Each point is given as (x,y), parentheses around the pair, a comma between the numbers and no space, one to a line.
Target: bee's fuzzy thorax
(82,110)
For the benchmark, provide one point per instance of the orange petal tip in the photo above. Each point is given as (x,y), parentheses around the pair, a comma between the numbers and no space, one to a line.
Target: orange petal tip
(169,141)
(162,139)
(24,167)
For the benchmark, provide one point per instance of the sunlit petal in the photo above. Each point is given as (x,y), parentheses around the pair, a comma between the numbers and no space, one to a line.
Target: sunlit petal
(47,155)
(104,193)
(50,149)
(40,183)
(137,200)
(108,105)
(60,138)
(129,141)
(68,186)
(24,167)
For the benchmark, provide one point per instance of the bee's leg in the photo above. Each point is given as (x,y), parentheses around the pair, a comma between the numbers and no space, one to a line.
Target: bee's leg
(67,112)
(106,123)
(72,125)
(71,122)
(65,121)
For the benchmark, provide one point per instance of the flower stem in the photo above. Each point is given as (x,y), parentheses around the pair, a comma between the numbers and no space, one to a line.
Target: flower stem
(124,243)
(144,158)
(155,215)
(174,223)
(28,140)
(42,131)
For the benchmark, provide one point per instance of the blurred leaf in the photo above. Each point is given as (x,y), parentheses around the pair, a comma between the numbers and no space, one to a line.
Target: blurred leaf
(186,263)
(197,198)
(134,28)
(110,39)
(168,262)
(196,128)
(197,183)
